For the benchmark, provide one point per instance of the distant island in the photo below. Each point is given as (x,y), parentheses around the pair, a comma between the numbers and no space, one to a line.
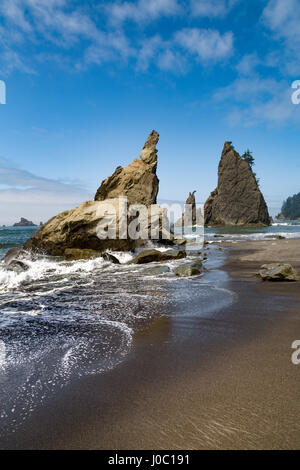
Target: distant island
(24,223)
(291,208)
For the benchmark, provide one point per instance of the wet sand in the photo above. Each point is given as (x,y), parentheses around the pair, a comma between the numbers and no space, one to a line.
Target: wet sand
(221,381)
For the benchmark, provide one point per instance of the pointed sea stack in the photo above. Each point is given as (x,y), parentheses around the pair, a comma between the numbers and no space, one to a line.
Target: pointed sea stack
(137,181)
(74,233)
(237,201)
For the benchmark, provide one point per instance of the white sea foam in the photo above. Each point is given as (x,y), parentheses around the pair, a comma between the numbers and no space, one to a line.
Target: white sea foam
(43,269)
(2,353)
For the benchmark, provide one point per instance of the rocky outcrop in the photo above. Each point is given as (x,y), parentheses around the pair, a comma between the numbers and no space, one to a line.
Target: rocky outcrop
(192,215)
(77,228)
(24,223)
(278,272)
(237,200)
(191,201)
(137,181)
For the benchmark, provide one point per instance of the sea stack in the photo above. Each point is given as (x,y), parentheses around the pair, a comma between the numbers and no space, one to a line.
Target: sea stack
(137,181)
(76,229)
(24,223)
(237,200)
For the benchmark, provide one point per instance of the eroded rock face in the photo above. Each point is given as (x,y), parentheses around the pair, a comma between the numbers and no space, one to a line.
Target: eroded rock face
(278,272)
(237,200)
(75,234)
(137,181)
(77,229)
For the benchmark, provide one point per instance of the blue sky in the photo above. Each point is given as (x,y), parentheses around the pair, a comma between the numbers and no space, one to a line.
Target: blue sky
(87,81)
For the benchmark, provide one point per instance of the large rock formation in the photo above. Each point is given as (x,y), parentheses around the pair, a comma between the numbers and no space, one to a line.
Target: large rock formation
(78,229)
(137,181)
(237,200)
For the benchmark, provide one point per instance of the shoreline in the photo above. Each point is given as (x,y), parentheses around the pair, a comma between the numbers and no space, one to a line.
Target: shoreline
(226,383)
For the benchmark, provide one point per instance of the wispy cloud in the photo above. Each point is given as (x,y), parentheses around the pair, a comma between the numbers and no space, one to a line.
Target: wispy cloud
(64,25)
(205,44)
(255,100)
(141,10)
(24,194)
(282,18)
(212,8)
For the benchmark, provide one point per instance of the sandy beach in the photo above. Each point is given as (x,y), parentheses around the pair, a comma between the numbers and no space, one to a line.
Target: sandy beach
(226,382)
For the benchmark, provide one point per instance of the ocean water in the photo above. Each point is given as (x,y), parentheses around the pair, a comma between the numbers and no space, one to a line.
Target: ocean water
(63,320)
(288,229)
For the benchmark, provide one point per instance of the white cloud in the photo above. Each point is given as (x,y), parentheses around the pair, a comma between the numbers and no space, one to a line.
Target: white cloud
(212,8)
(173,61)
(282,18)
(206,44)
(63,25)
(148,51)
(142,10)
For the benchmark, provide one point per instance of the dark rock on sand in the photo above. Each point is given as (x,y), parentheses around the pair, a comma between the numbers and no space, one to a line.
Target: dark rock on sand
(24,223)
(137,181)
(150,256)
(237,200)
(189,269)
(278,272)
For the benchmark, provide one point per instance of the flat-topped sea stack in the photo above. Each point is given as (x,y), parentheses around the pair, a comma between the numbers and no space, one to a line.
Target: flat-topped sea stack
(137,181)
(237,200)
(78,228)
(24,223)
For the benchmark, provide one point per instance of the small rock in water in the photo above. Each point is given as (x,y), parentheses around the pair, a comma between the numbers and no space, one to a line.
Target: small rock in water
(278,272)
(278,237)
(13,254)
(189,269)
(180,242)
(17,266)
(149,256)
(157,270)
(111,258)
